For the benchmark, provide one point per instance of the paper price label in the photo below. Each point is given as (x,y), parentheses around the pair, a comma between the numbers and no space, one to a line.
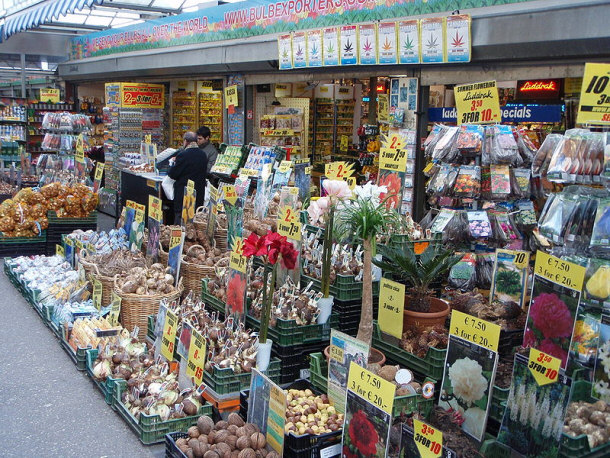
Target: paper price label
(168,339)
(428,440)
(288,223)
(391,307)
(393,159)
(148,139)
(336,353)
(308,170)
(155,210)
(79,245)
(338,170)
(80,149)
(190,187)
(285,166)
(49,95)
(249,173)
(477,103)
(278,133)
(115,310)
(196,358)
(351,182)
(97,293)
(558,271)
(344,143)
(370,387)
(59,250)
(594,107)
(99,171)
(475,330)
(231,97)
(237,260)
(230,194)
(544,368)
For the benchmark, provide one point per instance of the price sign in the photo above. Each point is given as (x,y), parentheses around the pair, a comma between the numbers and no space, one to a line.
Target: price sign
(276,418)
(196,358)
(288,223)
(391,307)
(230,194)
(231,97)
(383,108)
(344,143)
(155,210)
(594,107)
(49,95)
(190,187)
(336,353)
(285,166)
(99,171)
(393,159)
(477,103)
(544,368)
(370,387)
(237,260)
(115,310)
(148,139)
(338,170)
(249,173)
(59,250)
(308,170)
(351,182)
(79,245)
(80,149)
(168,340)
(558,271)
(428,440)
(278,133)
(475,330)
(97,293)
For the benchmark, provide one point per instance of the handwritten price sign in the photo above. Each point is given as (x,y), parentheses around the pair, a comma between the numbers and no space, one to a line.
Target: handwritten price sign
(115,310)
(428,440)
(338,170)
(393,159)
(475,330)
(97,293)
(230,194)
(168,340)
(288,223)
(544,368)
(558,271)
(59,250)
(285,166)
(237,260)
(196,358)
(478,103)
(391,307)
(371,388)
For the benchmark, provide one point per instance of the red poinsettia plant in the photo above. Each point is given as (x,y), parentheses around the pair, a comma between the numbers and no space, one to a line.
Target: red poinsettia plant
(271,248)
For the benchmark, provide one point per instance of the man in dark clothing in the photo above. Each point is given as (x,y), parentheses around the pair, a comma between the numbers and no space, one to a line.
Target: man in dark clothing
(190,164)
(203,140)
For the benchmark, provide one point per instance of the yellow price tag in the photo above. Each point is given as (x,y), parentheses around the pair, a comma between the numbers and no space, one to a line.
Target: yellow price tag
(231,97)
(475,330)
(336,353)
(308,170)
(338,170)
(351,182)
(139,218)
(429,166)
(544,368)
(288,223)
(79,147)
(79,245)
(276,418)
(168,340)
(196,358)
(477,103)
(190,187)
(558,271)
(391,307)
(249,172)
(237,260)
(371,388)
(148,139)
(428,440)
(383,107)
(344,143)
(99,171)
(97,293)
(115,310)
(175,237)
(594,106)
(393,159)
(155,209)
(230,194)
(59,250)
(130,204)
(285,166)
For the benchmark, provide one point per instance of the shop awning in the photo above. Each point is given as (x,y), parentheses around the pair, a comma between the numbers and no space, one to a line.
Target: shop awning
(41,14)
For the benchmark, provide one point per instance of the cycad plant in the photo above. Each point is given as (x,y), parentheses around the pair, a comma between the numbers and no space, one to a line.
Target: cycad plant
(418,271)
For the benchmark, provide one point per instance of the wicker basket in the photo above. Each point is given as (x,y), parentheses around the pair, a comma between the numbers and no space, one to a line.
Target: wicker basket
(91,271)
(136,308)
(201,219)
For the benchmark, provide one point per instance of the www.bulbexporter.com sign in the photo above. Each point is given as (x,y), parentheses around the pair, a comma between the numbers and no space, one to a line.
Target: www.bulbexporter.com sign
(510,113)
(256,17)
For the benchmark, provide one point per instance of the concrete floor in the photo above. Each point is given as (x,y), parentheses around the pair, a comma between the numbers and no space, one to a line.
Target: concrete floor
(48,407)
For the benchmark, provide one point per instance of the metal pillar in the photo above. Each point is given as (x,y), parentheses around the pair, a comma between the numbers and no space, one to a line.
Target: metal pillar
(22,75)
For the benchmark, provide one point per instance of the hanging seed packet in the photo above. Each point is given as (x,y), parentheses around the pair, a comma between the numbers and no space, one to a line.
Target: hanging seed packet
(478,223)
(601,377)
(302,178)
(470,139)
(597,282)
(526,215)
(441,220)
(521,183)
(463,275)
(504,149)
(510,277)
(586,337)
(500,182)
(534,415)
(468,182)
(600,238)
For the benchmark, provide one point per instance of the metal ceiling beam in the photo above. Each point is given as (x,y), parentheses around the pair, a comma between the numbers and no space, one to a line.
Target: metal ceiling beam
(67,25)
(149,9)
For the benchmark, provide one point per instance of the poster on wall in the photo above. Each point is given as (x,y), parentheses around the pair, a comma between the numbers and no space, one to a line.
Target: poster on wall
(284,44)
(347,43)
(330,55)
(367,44)
(408,42)
(298,50)
(458,38)
(386,43)
(314,44)
(432,40)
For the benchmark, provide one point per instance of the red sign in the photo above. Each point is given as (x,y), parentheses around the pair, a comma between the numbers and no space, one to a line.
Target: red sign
(539,89)
(142,95)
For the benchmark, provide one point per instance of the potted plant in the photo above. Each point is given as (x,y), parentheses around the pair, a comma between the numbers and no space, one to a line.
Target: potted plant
(418,272)
(323,210)
(271,248)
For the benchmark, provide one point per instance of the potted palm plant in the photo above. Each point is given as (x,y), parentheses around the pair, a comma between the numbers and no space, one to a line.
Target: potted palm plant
(418,272)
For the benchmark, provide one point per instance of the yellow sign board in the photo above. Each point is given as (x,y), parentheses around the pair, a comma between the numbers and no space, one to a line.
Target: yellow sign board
(49,95)
(231,97)
(79,147)
(428,440)
(59,250)
(155,210)
(594,107)
(370,387)
(383,108)
(97,293)
(196,358)
(558,271)
(168,340)
(338,170)
(237,260)
(115,310)
(285,166)
(393,159)
(478,103)
(230,194)
(475,330)
(391,307)
(288,223)
(544,368)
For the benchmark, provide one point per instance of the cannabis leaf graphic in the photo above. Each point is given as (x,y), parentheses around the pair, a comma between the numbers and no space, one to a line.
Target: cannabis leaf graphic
(408,44)
(367,46)
(314,50)
(299,51)
(348,46)
(330,49)
(432,43)
(457,41)
(387,46)
(285,54)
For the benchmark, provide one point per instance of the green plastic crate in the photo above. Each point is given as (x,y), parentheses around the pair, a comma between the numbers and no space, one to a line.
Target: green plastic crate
(318,366)
(56,220)
(288,333)
(491,448)
(498,403)
(150,428)
(47,313)
(211,301)
(107,386)
(150,332)
(432,365)
(345,287)
(225,381)
(578,447)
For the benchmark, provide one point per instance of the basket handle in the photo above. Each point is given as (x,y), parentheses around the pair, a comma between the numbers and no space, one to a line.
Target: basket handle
(188,252)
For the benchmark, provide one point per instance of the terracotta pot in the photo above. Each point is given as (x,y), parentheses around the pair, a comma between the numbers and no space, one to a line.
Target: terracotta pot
(374,357)
(439,309)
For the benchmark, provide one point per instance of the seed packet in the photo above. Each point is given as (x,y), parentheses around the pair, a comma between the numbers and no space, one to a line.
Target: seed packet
(500,182)
(485,183)
(470,139)
(526,215)
(510,277)
(426,221)
(597,281)
(463,275)
(566,156)
(543,156)
(444,145)
(468,182)
(441,220)
(485,267)
(600,238)
(456,231)
(504,149)
(478,224)
(437,132)
(527,149)
(443,181)
(520,183)
(601,377)
(488,135)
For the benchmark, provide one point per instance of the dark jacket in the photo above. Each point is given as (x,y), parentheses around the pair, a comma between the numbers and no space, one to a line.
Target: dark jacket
(211,152)
(191,164)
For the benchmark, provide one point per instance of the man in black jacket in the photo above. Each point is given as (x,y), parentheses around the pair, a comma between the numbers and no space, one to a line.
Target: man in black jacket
(190,164)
